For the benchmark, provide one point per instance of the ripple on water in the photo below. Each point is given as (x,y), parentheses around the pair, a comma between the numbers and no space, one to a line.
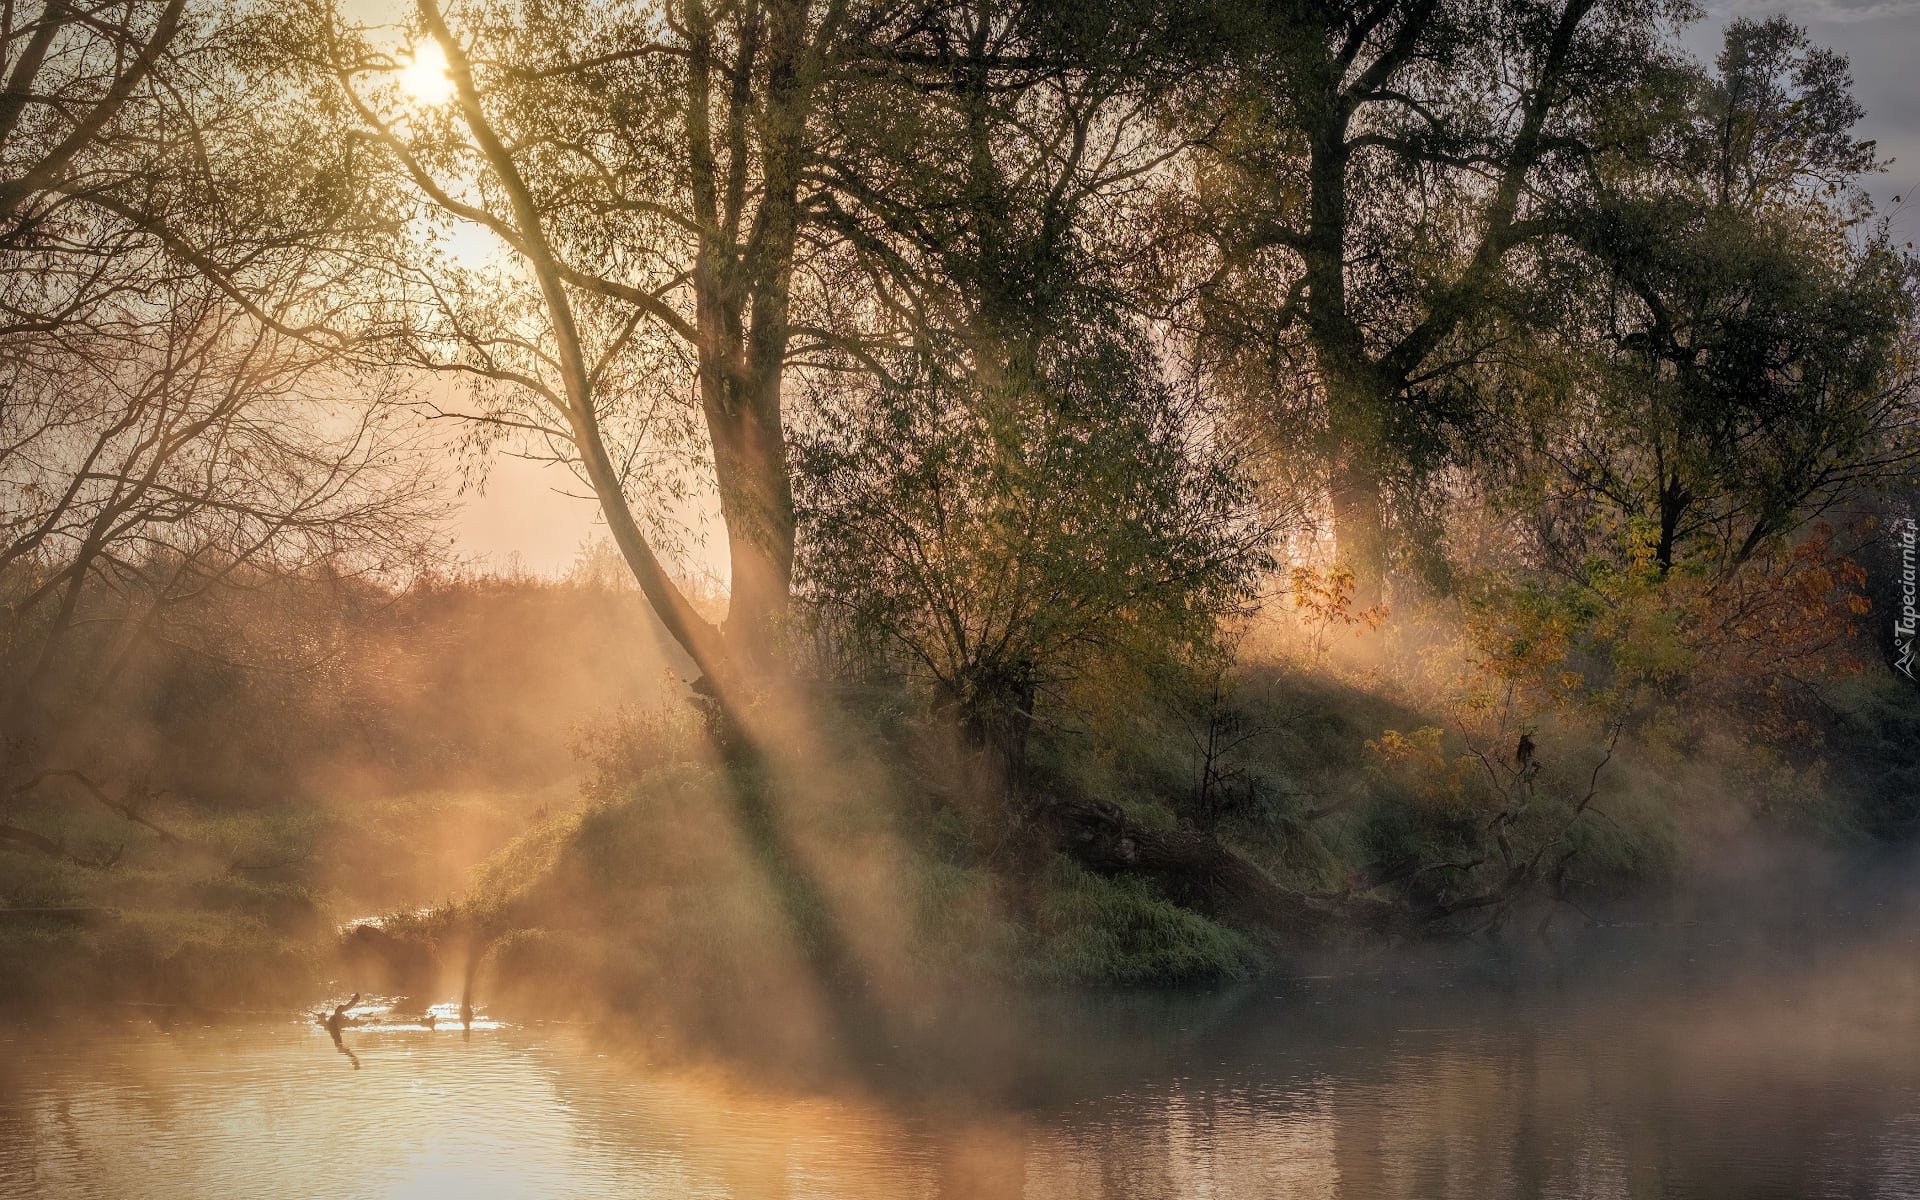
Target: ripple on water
(1625,1087)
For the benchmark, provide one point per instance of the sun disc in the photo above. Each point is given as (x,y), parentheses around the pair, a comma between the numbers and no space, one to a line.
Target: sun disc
(425,79)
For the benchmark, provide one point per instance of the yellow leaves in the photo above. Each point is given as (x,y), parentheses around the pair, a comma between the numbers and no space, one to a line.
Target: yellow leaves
(1643,546)
(1326,598)
(1744,634)
(1744,630)
(1418,761)
(1421,748)
(1525,637)
(1815,598)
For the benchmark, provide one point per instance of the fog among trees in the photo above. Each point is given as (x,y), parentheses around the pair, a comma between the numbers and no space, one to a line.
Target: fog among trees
(1195,480)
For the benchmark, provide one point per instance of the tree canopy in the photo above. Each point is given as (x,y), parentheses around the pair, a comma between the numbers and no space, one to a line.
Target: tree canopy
(1010,346)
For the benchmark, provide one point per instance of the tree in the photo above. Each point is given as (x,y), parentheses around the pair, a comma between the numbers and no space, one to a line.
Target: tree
(1730,353)
(1366,177)
(993,543)
(642,174)
(172,422)
(147,465)
(1002,482)
(75,73)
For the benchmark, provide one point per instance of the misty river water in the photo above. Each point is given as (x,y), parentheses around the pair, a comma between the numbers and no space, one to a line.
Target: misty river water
(1606,1063)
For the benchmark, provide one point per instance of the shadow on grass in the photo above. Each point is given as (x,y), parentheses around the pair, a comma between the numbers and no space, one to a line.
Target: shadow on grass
(860,1021)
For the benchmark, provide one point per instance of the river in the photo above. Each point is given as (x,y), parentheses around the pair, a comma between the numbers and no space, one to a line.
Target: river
(1606,1063)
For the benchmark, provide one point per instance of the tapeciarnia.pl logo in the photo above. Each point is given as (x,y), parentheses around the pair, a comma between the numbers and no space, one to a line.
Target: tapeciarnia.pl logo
(1903,624)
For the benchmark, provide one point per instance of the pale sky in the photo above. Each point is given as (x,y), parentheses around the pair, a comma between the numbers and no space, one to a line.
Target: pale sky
(522,511)
(1882,39)
(539,513)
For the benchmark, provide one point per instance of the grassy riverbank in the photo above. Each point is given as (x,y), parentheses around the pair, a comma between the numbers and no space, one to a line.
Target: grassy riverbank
(849,855)
(841,835)
(236,907)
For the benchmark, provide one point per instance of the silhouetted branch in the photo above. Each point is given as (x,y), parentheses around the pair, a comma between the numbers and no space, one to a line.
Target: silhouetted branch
(127,808)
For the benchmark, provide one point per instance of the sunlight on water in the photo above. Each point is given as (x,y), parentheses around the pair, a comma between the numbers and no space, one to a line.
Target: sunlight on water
(204,1112)
(1470,1088)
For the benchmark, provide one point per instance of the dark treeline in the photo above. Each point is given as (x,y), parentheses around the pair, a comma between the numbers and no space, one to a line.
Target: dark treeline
(1233,472)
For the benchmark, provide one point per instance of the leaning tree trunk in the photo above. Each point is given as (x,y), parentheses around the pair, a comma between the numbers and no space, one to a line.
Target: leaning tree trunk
(576,403)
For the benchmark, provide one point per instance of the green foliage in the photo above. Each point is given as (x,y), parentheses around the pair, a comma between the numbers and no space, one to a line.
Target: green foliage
(1094,929)
(1725,354)
(942,543)
(656,884)
(1050,300)
(1637,643)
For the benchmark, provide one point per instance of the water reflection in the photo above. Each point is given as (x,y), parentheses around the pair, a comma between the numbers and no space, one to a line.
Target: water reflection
(335,1021)
(1672,1069)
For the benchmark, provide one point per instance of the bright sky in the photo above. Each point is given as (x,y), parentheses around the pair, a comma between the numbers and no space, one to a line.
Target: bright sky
(537,516)
(522,511)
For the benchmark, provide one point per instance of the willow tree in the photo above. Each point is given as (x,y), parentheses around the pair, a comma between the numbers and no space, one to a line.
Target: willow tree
(173,420)
(639,174)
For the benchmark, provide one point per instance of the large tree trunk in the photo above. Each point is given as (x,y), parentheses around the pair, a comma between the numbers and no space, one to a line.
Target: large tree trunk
(742,289)
(756,501)
(1354,395)
(1359,528)
(740,385)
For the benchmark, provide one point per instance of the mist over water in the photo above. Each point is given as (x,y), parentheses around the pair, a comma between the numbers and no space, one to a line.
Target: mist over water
(1771,1054)
(1198,601)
